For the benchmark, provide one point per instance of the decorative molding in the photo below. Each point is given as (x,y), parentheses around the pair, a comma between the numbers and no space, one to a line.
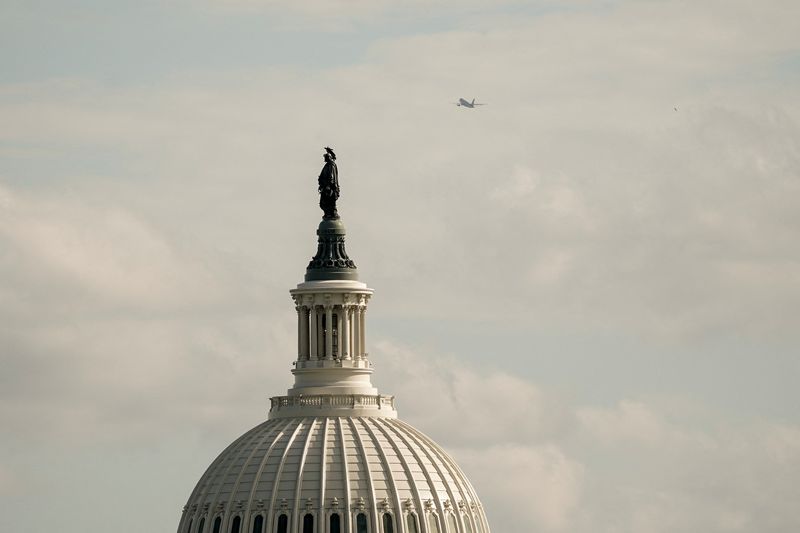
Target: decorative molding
(385,506)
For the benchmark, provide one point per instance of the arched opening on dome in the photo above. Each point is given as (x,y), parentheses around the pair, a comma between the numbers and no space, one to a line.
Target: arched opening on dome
(201,525)
(411,523)
(336,523)
(388,523)
(433,524)
(467,523)
(452,524)
(308,523)
(361,523)
(283,524)
(236,525)
(258,524)
(189,529)
(218,524)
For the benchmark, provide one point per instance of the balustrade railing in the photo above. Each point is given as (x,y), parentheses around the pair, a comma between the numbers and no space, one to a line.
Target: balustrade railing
(332,400)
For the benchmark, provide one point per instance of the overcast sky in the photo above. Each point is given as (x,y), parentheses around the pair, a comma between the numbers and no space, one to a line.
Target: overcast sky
(594,279)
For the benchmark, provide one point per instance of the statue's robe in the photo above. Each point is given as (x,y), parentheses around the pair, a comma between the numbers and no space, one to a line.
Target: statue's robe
(329,189)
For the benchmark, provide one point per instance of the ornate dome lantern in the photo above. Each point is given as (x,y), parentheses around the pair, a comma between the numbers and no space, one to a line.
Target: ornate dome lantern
(332,456)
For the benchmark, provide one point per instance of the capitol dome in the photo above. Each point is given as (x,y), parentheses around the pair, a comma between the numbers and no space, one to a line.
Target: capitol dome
(332,457)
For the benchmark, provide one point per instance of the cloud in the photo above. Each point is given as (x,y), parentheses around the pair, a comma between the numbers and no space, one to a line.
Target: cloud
(111,328)
(525,487)
(542,462)
(105,253)
(504,432)
(149,234)
(462,401)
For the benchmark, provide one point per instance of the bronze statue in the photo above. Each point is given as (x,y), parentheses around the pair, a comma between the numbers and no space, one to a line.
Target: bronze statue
(329,185)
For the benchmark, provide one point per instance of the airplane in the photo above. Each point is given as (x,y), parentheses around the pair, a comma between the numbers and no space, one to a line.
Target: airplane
(464,103)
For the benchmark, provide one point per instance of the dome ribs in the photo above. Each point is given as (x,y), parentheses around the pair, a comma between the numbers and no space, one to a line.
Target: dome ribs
(243,471)
(278,475)
(432,489)
(291,465)
(207,478)
(333,468)
(387,468)
(257,479)
(322,466)
(211,504)
(345,466)
(455,474)
(432,453)
(405,436)
(373,504)
(298,489)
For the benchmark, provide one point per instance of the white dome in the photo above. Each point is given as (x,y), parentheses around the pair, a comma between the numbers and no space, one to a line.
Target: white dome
(333,457)
(378,467)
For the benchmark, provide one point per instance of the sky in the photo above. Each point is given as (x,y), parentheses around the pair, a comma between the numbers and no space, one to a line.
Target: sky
(587,291)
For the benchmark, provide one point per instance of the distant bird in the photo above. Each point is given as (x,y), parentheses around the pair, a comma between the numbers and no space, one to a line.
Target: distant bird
(463,103)
(675,108)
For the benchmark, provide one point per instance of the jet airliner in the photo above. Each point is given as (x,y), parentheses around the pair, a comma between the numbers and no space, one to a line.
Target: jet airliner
(463,103)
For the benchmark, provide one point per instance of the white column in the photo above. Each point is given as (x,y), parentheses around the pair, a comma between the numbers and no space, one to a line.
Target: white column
(339,333)
(344,333)
(362,316)
(328,332)
(356,334)
(304,347)
(312,332)
(320,334)
(299,309)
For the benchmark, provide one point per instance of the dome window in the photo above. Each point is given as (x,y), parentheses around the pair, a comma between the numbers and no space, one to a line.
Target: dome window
(467,524)
(361,523)
(433,523)
(283,524)
(236,526)
(189,529)
(336,523)
(411,521)
(452,525)
(388,523)
(258,524)
(218,524)
(201,524)
(308,523)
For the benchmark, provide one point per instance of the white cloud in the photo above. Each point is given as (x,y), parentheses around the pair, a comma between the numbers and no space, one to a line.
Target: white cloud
(540,462)
(466,404)
(525,487)
(103,252)
(148,236)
